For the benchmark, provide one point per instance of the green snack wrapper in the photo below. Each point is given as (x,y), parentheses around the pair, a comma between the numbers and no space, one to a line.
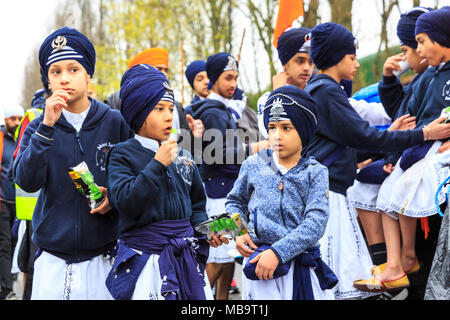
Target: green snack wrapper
(84,183)
(229,225)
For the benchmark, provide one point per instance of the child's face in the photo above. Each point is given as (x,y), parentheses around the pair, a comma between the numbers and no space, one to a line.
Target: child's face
(285,140)
(414,59)
(430,50)
(299,69)
(348,66)
(69,75)
(200,83)
(158,123)
(226,84)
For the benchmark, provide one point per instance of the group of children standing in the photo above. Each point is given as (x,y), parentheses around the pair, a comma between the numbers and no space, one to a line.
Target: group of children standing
(304,239)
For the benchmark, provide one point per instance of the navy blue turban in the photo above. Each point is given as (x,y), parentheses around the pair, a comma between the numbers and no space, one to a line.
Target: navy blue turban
(435,25)
(141,88)
(292,41)
(407,24)
(193,69)
(67,44)
(330,42)
(296,105)
(219,63)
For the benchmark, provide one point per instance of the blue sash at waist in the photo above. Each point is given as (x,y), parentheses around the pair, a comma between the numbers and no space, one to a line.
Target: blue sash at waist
(182,258)
(302,277)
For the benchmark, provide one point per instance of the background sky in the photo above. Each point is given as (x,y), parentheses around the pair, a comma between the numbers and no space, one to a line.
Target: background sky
(25,24)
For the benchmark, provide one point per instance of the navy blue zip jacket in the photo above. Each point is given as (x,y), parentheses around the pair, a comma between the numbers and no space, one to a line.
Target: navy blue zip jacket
(215,115)
(433,96)
(394,96)
(144,191)
(396,99)
(340,130)
(6,183)
(62,222)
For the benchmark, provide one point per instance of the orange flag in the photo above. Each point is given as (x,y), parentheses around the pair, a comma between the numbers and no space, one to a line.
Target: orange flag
(288,11)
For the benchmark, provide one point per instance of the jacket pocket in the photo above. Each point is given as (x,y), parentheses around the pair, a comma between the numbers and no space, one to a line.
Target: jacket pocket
(125,271)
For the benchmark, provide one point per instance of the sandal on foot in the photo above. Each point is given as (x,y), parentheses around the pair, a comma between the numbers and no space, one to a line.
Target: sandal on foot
(375,285)
(379,268)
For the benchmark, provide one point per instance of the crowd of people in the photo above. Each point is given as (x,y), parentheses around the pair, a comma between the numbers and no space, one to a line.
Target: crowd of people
(331,201)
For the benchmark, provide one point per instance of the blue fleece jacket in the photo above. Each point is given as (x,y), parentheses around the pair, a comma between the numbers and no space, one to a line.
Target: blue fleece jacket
(62,222)
(219,175)
(341,130)
(292,219)
(144,191)
(6,183)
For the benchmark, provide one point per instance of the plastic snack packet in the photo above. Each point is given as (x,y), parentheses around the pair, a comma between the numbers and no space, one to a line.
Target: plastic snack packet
(84,182)
(229,225)
(446,113)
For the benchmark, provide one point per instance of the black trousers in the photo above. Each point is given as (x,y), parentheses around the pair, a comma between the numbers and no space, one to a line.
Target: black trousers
(7,216)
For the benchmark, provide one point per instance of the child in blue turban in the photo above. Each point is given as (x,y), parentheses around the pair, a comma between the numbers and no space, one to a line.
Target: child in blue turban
(340,132)
(159,195)
(73,129)
(284,196)
(198,79)
(293,51)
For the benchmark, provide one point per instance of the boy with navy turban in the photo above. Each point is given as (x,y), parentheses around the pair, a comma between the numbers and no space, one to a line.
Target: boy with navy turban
(198,79)
(73,239)
(158,192)
(421,166)
(284,196)
(223,153)
(293,52)
(340,131)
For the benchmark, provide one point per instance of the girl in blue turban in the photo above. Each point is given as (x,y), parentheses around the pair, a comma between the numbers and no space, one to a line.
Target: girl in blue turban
(159,195)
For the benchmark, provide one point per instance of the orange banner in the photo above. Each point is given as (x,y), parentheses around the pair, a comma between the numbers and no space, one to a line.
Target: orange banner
(288,11)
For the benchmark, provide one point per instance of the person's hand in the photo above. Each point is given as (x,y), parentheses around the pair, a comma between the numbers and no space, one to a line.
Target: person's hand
(196,126)
(364,163)
(167,152)
(217,241)
(280,80)
(436,130)
(104,206)
(391,64)
(53,107)
(404,122)
(388,168)
(267,261)
(444,147)
(242,245)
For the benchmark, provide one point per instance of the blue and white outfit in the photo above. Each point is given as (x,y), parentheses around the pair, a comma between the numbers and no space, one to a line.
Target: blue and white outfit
(286,209)
(340,131)
(159,255)
(71,262)
(420,171)
(395,100)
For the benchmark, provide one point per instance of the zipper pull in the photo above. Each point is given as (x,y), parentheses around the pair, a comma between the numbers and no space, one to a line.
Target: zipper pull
(280,187)
(79,143)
